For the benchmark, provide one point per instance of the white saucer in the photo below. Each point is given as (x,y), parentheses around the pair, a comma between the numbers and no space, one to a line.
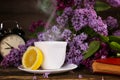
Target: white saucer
(64,68)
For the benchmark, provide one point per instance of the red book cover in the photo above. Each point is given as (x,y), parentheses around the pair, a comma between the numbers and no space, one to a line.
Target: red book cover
(114,61)
(108,65)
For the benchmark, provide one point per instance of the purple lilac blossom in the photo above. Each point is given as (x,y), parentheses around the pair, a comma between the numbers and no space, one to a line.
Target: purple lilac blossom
(34,77)
(79,19)
(84,3)
(80,37)
(111,22)
(35,25)
(68,11)
(74,52)
(41,36)
(22,48)
(79,40)
(74,56)
(89,4)
(46,75)
(80,76)
(116,33)
(77,2)
(114,3)
(98,26)
(62,20)
(82,17)
(83,36)
(30,42)
(61,4)
(12,59)
(66,34)
(51,34)
(84,46)
(55,30)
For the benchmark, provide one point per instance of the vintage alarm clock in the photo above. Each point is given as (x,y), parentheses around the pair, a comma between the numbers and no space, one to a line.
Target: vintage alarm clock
(10,38)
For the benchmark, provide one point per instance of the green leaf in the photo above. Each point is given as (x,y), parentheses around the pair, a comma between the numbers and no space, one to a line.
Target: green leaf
(104,38)
(114,38)
(101,6)
(59,12)
(115,46)
(89,31)
(93,47)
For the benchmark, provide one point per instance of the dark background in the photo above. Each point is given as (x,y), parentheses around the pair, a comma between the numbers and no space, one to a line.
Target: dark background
(27,11)
(23,11)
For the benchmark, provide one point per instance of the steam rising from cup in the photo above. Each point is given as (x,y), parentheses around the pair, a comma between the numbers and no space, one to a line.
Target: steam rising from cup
(48,7)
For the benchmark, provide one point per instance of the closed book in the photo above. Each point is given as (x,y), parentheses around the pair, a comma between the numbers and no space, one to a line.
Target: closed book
(108,65)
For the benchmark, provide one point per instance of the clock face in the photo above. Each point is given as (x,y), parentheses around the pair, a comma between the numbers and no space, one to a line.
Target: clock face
(10,42)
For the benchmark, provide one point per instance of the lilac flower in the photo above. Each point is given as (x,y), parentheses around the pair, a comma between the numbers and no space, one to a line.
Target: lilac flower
(103,57)
(87,62)
(77,2)
(12,59)
(22,48)
(51,34)
(62,20)
(41,37)
(66,34)
(35,25)
(74,56)
(80,76)
(82,17)
(83,36)
(89,4)
(45,75)
(84,46)
(34,77)
(79,19)
(55,30)
(116,33)
(74,52)
(98,26)
(68,11)
(111,22)
(30,42)
(114,3)
(61,4)
(80,37)
(4,63)
(103,78)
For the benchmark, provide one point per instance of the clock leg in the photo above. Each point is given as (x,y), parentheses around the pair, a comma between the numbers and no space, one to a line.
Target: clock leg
(1,58)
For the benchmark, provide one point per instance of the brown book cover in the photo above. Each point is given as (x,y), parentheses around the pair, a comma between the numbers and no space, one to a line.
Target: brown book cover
(108,65)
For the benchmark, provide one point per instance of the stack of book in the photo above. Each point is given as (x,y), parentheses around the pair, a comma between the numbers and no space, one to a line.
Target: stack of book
(108,65)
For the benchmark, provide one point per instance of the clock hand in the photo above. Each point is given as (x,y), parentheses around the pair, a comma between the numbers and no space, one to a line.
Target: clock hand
(7,48)
(9,45)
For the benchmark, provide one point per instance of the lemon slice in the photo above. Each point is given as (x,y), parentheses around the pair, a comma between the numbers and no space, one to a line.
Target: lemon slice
(32,58)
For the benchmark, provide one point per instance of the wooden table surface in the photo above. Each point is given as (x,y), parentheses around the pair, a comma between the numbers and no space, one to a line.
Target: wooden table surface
(16,74)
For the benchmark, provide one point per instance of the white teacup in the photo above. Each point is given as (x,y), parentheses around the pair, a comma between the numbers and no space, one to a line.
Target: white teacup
(54,53)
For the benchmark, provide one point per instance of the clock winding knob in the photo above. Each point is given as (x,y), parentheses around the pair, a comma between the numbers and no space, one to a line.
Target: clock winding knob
(2,31)
(18,30)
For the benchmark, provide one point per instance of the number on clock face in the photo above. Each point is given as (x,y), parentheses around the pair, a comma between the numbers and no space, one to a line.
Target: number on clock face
(10,42)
